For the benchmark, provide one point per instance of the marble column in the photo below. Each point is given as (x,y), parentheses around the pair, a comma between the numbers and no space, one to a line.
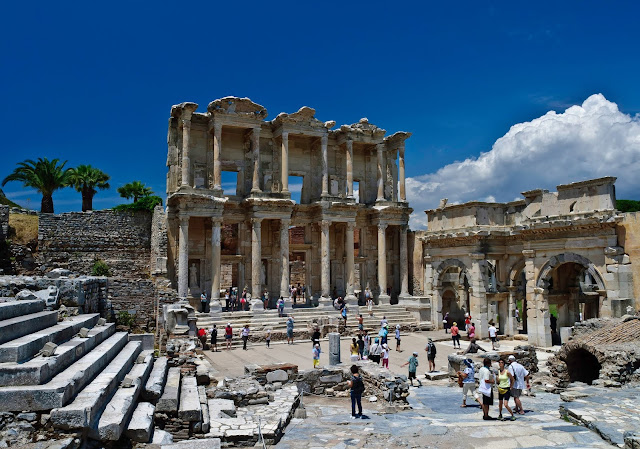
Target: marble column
(478,296)
(381,172)
(349,154)
(403,190)
(217,166)
(255,146)
(285,164)
(325,165)
(214,298)
(383,298)
(186,161)
(256,257)
(183,257)
(350,265)
(511,327)
(325,265)
(284,257)
(404,263)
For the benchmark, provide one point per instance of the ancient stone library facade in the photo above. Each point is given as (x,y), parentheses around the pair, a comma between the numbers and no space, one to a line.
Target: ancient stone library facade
(349,228)
(562,253)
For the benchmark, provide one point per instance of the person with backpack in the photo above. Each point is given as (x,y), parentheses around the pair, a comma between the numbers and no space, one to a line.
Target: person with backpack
(398,338)
(245,336)
(360,347)
(431,355)
(468,376)
(357,388)
(281,307)
(375,351)
(214,338)
(290,330)
(413,367)
(384,332)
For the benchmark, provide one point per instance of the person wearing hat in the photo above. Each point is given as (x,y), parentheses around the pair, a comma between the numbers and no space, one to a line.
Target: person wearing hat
(398,338)
(413,366)
(385,355)
(431,355)
(316,356)
(520,376)
(455,335)
(384,332)
(228,335)
(374,351)
(244,333)
(468,376)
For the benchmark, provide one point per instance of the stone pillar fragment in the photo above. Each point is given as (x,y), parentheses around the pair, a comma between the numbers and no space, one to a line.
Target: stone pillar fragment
(325,266)
(255,146)
(383,298)
(186,161)
(284,258)
(403,191)
(349,154)
(285,163)
(183,257)
(404,263)
(381,172)
(334,348)
(350,264)
(324,140)
(256,256)
(217,166)
(511,326)
(478,296)
(214,298)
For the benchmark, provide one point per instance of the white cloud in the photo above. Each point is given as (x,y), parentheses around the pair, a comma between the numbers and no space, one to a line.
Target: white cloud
(592,140)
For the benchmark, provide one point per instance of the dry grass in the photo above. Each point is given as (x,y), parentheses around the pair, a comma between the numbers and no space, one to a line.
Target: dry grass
(24,228)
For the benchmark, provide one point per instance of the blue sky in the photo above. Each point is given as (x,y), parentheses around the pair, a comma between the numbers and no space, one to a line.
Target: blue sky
(93,82)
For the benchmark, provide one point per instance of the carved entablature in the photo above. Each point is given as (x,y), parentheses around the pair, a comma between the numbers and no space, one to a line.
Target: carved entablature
(396,140)
(304,117)
(363,127)
(237,106)
(183,110)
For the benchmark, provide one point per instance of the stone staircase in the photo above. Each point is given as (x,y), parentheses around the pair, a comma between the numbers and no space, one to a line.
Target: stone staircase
(92,383)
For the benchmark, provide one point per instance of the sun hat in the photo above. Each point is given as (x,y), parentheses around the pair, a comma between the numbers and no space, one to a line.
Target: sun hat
(415,353)
(455,324)
(512,358)
(397,326)
(430,339)
(468,362)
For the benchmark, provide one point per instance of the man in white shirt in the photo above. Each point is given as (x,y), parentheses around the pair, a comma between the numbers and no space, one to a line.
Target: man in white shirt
(493,334)
(487,379)
(520,376)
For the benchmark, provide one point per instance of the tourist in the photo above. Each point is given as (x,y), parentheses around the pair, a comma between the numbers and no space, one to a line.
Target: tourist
(234,295)
(280,307)
(518,315)
(360,347)
(360,323)
(227,300)
(316,356)
(294,294)
(304,292)
(385,355)
(368,301)
(431,355)
(344,315)
(353,350)
(493,335)
(228,335)
(367,343)
(487,379)
(375,351)
(265,299)
(413,366)
(268,337)
(203,302)
(471,332)
(467,322)
(357,388)
(383,321)
(468,382)
(245,336)
(336,305)
(202,336)
(290,322)
(445,322)
(473,348)
(243,300)
(383,334)
(315,337)
(398,338)
(214,338)
(505,383)
(455,335)
(520,376)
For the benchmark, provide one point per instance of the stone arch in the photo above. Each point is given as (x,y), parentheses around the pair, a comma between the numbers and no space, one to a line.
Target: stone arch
(516,268)
(583,362)
(555,261)
(445,265)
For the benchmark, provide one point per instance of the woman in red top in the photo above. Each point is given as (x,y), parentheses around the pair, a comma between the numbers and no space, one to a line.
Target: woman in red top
(228,335)
(455,335)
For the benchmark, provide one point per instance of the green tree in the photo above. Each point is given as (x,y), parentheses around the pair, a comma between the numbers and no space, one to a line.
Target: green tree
(135,190)
(44,175)
(86,179)
(628,205)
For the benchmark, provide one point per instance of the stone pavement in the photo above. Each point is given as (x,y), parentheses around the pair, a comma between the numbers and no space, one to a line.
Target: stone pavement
(435,420)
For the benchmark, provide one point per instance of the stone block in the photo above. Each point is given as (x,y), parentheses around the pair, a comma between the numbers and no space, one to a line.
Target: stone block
(26,295)
(140,427)
(225,406)
(160,437)
(14,309)
(203,443)
(168,402)
(147,341)
(277,376)
(155,385)
(331,379)
(26,324)
(334,348)
(437,375)
(190,408)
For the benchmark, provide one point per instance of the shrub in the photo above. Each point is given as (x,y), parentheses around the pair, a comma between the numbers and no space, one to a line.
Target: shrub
(124,318)
(147,203)
(628,205)
(100,268)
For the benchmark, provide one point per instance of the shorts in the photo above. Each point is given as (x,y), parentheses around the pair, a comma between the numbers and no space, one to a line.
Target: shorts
(412,374)
(228,337)
(469,388)
(516,392)
(431,359)
(493,339)
(360,326)
(290,333)
(316,363)
(504,396)
(487,400)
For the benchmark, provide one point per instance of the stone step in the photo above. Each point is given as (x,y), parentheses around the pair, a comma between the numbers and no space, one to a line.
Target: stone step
(13,309)
(23,348)
(397,317)
(86,406)
(40,370)
(168,402)
(190,408)
(117,413)
(155,385)
(20,326)
(140,427)
(60,390)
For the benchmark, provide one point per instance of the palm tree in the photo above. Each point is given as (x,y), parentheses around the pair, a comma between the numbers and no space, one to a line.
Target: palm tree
(86,179)
(43,175)
(135,190)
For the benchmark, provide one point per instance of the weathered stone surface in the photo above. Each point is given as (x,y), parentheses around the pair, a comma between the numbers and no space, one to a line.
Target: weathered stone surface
(334,348)
(147,340)
(204,443)
(16,308)
(277,376)
(140,427)
(190,408)
(168,402)
(26,324)
(161,437)
(154,386)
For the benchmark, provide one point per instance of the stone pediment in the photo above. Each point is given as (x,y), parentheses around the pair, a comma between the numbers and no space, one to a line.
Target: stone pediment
(237,106)
(305,116)
(364,127)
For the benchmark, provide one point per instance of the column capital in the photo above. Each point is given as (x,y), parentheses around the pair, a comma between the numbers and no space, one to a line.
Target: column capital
(382,226)
(349,143)
(512,288)
(324,140)
(216,220)
(351,225)
(256,222)
(529,253)
(184,219)
(284,134)
(285,222)
(186,122)
(216,127)
(404,228)
(324,224)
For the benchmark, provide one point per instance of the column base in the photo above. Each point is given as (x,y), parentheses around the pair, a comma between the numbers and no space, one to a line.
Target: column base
(351,299)
(384,300)
(215,307)
(256,305)
(325,301)
(405,299)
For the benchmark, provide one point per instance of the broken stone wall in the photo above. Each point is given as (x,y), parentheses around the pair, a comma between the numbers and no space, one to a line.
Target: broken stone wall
(629,238)
(135,296)
(159,241)
(75,240)
(4,222)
